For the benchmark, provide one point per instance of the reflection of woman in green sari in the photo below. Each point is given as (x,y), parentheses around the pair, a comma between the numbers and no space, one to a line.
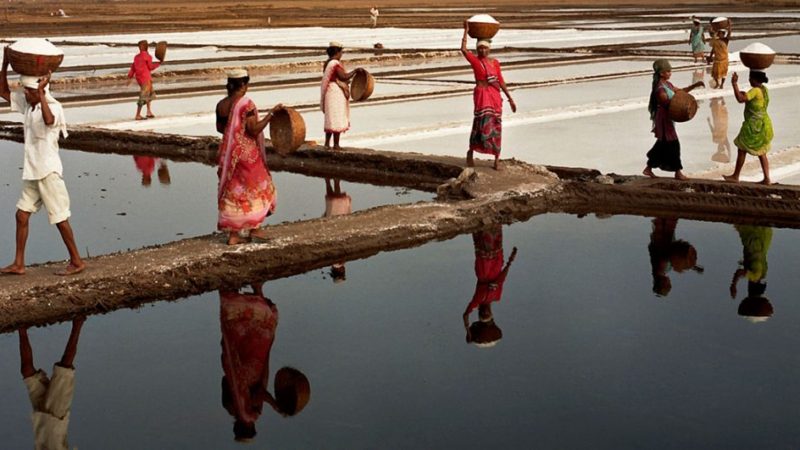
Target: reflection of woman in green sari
(755,242)
(756,134)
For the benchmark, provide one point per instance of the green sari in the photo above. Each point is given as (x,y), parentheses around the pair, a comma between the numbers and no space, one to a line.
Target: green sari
(756,134)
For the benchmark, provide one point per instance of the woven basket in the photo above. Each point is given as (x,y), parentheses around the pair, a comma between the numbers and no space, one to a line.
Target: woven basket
(33,65)
(682,107)
(362,86)
(161,50)
(757,61)
(482,30)
(287,130)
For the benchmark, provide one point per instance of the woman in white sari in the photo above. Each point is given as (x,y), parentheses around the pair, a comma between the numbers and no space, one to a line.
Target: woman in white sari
(335,96)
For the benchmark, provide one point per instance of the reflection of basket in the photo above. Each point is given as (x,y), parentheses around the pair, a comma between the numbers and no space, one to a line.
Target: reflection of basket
(287,130)
(482,30)
(362,86)
(33,65)
(161,50)
(757,61)
(682,107)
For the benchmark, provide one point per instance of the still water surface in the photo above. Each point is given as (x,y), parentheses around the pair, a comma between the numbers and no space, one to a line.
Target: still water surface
(590,356)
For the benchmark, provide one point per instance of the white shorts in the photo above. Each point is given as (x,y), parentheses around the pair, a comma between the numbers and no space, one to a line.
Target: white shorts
(52,395)
(50,191)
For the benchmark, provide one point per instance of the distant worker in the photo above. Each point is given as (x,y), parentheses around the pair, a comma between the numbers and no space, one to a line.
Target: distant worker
(719,55)
(142,66)
(373,14)
(42,182)
(696,40)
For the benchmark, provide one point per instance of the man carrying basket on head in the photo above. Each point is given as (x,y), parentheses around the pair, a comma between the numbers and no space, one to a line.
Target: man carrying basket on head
(142,66)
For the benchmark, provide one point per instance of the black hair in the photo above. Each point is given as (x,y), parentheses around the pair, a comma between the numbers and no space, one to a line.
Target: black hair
(759,76)
(332,51)
(234,84)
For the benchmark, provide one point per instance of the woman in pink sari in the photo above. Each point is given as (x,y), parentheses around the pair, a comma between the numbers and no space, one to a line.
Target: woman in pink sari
(487,126)
(246,195)
(335,95)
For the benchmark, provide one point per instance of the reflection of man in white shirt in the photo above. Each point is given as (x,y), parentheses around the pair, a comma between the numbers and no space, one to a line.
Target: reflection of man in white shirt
(42,182)
(51,397)
(373,14)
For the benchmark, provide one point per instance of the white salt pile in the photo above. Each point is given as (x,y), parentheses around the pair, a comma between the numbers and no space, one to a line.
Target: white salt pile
(758,48)
(35,46)
(482,18)
(719,19)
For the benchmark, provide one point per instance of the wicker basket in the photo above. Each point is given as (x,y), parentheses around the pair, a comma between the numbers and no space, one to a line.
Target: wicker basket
(682,107)
(757,61)
(291,389)
(33,65)
(362,86)
(482,30)
(287,130)
(161,50)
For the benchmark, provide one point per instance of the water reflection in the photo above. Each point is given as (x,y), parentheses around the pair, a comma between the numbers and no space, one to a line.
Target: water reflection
(491,273)
(718,124)
(147,165)
(753,266)
(668,254)
(337,203)
(698,75)
(248,322)
(51,397)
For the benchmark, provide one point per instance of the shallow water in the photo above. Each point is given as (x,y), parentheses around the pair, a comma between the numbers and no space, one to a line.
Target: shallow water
(590,357)
(113,210)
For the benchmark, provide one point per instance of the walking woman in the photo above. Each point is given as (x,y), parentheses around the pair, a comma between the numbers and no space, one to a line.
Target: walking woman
(666,152)
(755,136)
(487,126)
(696,40)
(246,195)
(719,54)
(335,95)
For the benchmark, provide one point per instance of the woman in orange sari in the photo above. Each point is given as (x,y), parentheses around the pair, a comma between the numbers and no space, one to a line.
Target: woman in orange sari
(246,195)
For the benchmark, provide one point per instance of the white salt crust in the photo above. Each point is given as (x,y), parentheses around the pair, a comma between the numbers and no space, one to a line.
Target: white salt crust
(35,46)
(758,48)
(482,18)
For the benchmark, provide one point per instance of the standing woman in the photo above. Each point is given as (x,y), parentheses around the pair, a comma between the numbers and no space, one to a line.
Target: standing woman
(696,40)
(487,126)
(246,195)
(756,134)
(335,95)
(666,152)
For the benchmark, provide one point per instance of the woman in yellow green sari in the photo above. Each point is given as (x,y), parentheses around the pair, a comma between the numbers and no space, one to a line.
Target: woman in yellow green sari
(756,134)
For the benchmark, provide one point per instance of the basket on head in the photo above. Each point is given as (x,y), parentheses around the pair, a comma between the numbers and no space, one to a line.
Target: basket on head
(757,56)
(287,130)
(720,23)
(682,107)
(482,26)
(34,57)
(362,85)
(161,50)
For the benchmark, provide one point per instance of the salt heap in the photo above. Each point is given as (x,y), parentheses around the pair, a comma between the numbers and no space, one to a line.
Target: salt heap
(482,18)
(36,46)
(758,48)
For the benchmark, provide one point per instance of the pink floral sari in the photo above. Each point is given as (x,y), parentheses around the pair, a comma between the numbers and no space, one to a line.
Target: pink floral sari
(246,194)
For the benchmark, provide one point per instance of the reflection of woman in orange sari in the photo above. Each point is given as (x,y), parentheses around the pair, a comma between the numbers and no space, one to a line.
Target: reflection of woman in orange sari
(248,323)
(491,274)
(246,195)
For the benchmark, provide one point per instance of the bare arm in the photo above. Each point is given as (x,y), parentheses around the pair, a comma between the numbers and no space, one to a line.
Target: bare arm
(741,97)
(694,86)
(5,91)
(47,114)
(464,50)
(508,95)
(254,127)
(344,75)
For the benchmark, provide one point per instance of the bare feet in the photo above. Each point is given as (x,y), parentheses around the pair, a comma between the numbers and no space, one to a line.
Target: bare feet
(235,239)
(765,182)
(680,176)
(71,269)
(259,235)
(649,172)
(470,159)
(13,269)
(496,166)
(151,116)
(327,147)
(730,178)
(336,147)
(138,118)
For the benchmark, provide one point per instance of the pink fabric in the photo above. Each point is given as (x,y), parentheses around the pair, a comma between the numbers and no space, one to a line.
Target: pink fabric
(145,164)
(663,126)
(248,325)
(142,66)
(486,96)
(489,264)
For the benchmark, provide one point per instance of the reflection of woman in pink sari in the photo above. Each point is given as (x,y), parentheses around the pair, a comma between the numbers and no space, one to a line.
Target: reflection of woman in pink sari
(335,95)
(491,273)
(248,323)
(246,194)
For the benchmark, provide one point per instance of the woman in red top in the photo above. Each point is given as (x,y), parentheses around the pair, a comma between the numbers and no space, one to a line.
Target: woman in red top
(487,127)
(140,69)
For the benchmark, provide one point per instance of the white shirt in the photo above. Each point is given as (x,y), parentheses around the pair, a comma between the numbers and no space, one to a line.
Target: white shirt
(41,141)
(373,12)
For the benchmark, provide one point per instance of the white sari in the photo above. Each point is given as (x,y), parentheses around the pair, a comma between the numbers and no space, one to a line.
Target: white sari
(333,101)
